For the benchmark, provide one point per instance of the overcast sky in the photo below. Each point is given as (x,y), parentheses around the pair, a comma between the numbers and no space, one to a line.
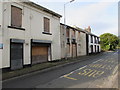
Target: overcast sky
(101,15)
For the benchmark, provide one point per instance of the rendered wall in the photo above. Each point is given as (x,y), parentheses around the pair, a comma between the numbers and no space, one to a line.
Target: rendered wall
(62,41)
(89,45)
(32,22)
(1,42)
(81,43)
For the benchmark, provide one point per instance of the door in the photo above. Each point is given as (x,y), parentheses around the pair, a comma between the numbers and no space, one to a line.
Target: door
(16,56)
(68,50)
(87,40)
(95,48)
(91,48)
(39,54)
(98,48)
(74,50)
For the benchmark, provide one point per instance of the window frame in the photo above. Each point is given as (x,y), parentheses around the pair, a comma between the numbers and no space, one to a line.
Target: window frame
(17,27)
(78,35)
(95,39)
(46,23)
(67,32)
(91,38)
(73,33)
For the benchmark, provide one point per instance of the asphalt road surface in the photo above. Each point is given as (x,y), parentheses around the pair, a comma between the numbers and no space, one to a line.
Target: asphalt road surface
(90,73)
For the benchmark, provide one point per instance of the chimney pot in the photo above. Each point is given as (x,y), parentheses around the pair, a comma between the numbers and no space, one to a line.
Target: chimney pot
(89,29)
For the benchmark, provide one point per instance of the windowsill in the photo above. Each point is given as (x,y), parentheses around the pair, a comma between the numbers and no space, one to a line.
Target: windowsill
(68,42)
(74,43)
(16,27)
(47,33)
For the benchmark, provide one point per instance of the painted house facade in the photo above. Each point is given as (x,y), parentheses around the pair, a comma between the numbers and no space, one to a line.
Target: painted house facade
(73,41)
(1,34)
(30,34)
(93,42)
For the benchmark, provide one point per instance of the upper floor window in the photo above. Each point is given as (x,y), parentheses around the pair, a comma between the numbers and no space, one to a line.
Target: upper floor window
(98,40)
(46,24)
(73,33)
(16,16)
(78,35)
(91,39)
(67,33)
(95,40)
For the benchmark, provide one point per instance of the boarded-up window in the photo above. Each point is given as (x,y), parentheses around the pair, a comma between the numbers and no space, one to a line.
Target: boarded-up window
(73,33)
(16,16)
(67,32)
(78,35)
(46,24)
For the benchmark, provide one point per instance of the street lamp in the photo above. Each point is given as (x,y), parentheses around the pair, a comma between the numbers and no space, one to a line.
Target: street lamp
(65,10)
(65,23)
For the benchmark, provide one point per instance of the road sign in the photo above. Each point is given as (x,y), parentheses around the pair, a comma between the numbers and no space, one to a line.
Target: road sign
(1,46)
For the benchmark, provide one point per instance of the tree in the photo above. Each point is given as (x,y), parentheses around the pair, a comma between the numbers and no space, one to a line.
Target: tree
(119,43)
(108,41)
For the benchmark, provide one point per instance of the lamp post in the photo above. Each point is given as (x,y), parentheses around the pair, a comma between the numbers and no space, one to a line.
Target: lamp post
(65,10)
(65,23)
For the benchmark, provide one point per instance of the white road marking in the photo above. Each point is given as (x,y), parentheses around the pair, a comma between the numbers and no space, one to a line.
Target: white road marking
(82,67)
(97,61)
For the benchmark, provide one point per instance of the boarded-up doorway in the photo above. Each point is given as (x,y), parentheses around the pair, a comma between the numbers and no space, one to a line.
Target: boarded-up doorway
(39,54)
(68,50)
(74,50)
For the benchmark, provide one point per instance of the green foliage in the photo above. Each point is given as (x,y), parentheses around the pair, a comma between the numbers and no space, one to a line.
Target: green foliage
(107,47)
(119,43)
(109,41)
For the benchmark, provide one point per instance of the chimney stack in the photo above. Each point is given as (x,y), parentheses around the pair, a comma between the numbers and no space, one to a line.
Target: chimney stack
(88,29)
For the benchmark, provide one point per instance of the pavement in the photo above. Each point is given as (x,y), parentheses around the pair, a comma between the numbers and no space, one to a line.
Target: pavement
(98,71)
(116,82)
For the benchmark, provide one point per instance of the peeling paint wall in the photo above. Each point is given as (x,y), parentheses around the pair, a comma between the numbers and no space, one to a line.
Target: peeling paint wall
(82,44)
(78,48)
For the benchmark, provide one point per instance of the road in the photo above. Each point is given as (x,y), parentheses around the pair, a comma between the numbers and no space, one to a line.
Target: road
(94,72)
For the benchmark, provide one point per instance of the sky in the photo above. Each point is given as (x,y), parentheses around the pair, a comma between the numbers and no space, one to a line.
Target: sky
(100,15)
